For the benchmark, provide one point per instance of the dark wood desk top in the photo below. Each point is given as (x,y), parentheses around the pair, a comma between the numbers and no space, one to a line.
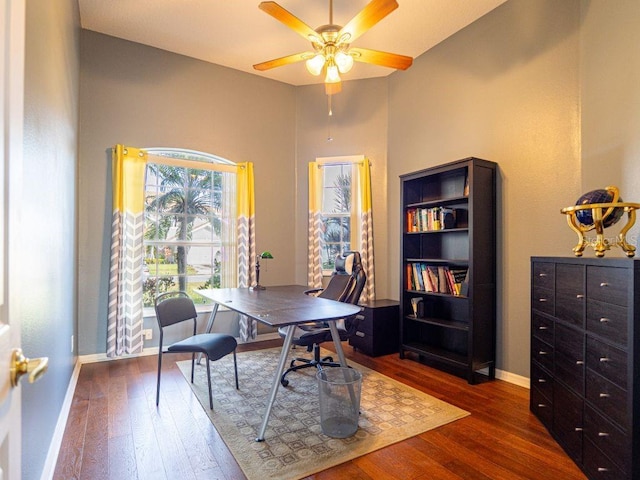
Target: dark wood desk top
(281,305)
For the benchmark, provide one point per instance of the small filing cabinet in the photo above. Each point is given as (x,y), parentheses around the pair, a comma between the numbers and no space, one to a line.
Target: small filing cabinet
(585,346)
(378,330)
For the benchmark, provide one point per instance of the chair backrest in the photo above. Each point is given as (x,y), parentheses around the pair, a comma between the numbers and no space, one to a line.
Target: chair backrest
(174,307)
(348,279)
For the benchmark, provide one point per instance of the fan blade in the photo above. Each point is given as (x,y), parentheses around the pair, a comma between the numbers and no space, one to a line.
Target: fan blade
(384,59)
(279,62)
(289,19)
(375,11)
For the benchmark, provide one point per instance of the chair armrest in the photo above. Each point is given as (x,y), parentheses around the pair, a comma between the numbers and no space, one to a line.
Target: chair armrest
(313,291)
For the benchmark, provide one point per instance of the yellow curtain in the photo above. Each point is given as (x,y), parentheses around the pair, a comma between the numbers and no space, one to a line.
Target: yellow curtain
(246,238)
(366,228)
(124,321)
(314,267)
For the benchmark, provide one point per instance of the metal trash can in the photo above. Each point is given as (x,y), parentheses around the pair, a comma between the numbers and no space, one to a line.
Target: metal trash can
(340,389)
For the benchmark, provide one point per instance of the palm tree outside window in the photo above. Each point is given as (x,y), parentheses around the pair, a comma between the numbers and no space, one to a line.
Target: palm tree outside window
(189,232)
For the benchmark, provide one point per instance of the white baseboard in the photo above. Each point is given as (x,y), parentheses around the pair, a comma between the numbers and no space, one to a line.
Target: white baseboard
(56,441)
(513,378)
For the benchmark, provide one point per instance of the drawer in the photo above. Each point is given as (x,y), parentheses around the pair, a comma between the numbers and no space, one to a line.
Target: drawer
(543,275)
(608,361)
(542,353)
(598,466)
(542,380)
(569,357)
(568,421)
(362,341)
(608,284)
(569,342)
(541,407)
(607,320)
(542,299)
(608,398)
(607,438)
(542,327)
(570,293)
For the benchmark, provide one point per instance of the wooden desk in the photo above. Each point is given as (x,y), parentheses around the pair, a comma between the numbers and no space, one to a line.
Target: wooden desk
(282,306)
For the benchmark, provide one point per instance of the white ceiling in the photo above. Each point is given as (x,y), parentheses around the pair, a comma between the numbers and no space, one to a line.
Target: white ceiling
(236,34)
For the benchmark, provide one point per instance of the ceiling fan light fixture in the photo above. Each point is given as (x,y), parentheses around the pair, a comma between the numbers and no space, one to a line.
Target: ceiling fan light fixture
(315,64)
(344,61)
(333,75)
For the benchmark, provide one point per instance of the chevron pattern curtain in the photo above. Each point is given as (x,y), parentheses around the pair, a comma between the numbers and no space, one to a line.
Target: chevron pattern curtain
(366,228)
(314,267)
(246,242)
(124,321)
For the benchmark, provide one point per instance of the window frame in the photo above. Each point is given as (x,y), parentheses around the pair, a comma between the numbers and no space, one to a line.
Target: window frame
(354,225)
(195,160)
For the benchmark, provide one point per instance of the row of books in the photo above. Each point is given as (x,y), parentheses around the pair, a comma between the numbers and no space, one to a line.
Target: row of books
(427,219)
(437,279)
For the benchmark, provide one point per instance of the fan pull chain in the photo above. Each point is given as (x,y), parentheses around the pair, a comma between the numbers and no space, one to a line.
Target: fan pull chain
(329,137)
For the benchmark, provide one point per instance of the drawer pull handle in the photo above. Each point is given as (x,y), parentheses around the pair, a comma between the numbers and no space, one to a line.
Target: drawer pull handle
(542,405)
(578,429)
(542,300)
(604,320)
(579,362)
(543,328)
(542,274)
(579,296)
(605,359)
(604,284)
(542,352)
(602,469)
(542,380)
(359,334)
(604,395)
(603,434)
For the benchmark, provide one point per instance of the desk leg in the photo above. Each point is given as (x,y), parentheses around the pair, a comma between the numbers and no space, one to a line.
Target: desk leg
(212,317)
(335,335)
(286,346)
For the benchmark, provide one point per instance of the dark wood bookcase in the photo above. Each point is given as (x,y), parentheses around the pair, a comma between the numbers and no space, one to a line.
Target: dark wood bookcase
(448,267)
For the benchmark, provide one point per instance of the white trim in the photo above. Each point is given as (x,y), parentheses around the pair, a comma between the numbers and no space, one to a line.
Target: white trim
(513,378)
(58,434)
(340,160)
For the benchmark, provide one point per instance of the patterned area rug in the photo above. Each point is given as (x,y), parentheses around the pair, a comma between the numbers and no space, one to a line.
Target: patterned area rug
(294,445)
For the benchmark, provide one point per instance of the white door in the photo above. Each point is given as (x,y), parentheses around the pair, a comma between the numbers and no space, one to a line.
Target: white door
(12,29)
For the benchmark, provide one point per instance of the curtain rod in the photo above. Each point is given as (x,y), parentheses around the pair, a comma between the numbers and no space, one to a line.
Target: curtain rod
(344,160)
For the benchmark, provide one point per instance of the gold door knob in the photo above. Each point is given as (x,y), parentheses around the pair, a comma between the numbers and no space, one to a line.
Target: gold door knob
(35,367)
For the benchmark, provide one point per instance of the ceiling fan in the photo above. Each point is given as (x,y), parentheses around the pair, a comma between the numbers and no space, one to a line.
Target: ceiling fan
(332,52)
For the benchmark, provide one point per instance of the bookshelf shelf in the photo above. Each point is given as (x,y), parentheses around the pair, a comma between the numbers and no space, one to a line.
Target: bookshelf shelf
(448,266)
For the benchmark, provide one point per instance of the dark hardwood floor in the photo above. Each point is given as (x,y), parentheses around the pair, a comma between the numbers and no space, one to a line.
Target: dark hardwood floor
(114,430)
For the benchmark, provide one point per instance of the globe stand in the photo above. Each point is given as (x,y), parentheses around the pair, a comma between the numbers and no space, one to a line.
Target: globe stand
(600,212)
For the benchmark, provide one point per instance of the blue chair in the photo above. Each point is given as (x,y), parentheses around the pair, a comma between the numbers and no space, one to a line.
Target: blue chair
(175,307)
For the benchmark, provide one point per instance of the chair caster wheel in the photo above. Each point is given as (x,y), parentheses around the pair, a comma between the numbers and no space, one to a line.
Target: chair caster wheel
(284,382)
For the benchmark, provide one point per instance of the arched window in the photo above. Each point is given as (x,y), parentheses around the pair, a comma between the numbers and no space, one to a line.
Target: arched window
(189,228)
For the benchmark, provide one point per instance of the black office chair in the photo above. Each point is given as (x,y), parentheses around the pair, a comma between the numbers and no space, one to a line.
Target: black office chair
(345,285)
(176,307)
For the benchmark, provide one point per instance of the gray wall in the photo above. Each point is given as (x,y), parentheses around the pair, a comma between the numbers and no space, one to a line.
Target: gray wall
(504,89)
(146,97)
(48,217)
(358,127)
(610,98)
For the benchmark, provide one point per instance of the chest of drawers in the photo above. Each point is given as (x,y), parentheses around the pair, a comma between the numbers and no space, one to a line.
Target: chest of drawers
(585,357)
(378,330)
